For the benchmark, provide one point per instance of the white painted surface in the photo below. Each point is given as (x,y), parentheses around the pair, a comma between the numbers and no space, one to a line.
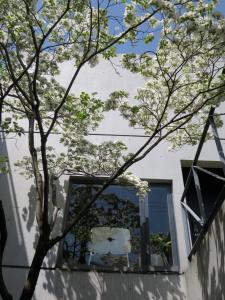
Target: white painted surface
(205,276)
(119,243)
(17,195)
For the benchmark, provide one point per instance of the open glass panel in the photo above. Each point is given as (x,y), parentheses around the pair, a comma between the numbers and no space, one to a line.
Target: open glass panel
(210,188)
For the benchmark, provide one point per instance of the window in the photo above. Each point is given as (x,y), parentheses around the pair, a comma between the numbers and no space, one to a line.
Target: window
(209,187)
(120,230)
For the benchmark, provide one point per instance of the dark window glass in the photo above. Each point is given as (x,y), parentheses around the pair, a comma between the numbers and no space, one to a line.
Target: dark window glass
(210,189)
(114,217)
(110,234)
(159,226)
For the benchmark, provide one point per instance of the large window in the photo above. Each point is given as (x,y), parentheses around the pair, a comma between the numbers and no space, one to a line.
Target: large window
(120,230)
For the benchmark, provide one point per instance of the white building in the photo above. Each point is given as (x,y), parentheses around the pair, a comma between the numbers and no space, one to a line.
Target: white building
(141,272)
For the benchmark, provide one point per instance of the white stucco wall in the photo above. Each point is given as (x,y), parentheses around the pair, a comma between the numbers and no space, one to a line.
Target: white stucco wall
(17,193)
(205,276)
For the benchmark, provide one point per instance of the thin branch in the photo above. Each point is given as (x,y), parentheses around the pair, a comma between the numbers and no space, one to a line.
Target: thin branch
(30,26)
(35,18)
(113,42)
(135,158)
(9,65)
(98,26)
(16,80)
(15,108)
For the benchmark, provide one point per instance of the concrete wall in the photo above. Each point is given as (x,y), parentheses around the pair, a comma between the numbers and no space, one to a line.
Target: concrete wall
(18,198)
(206,274)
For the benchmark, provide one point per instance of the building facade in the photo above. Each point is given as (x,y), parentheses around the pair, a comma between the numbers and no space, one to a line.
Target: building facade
(156,262)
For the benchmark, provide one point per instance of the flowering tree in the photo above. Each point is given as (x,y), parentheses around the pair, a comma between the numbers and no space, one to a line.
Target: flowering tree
(183,78)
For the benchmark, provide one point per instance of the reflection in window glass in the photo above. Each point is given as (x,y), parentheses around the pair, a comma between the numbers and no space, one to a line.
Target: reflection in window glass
(159,225)
(110,234)
(118,208)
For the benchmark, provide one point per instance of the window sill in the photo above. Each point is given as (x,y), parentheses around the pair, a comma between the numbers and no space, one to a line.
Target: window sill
(147,270)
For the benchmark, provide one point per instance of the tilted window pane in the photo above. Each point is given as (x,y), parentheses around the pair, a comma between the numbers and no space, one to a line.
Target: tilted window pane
(210,190)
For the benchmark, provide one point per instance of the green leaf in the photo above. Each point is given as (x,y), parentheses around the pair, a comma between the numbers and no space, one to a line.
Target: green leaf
(149,38)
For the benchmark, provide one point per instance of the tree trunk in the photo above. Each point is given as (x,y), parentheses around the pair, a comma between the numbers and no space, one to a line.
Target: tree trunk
(3,238)
(40,253)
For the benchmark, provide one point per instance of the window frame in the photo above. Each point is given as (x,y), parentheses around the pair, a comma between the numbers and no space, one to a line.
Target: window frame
(210,166)
(145,247)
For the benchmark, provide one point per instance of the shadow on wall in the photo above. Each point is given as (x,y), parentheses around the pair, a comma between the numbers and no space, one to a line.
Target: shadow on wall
(106,286)
(29,218)
(15,252)
(21,223)
(211,260)
(59,284)
(67,284)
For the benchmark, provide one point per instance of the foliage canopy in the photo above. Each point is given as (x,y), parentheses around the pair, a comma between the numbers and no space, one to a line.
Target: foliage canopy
(183,79)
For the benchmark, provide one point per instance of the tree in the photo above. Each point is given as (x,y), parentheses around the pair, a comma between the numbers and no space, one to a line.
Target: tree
(183,78)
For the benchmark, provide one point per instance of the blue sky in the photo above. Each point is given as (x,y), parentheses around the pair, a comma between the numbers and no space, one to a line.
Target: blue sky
(221,6)
(128,48)
(141,47)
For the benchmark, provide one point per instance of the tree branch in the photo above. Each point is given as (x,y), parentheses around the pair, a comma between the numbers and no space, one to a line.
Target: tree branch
(54,201)
(37,174)
(135,158)
(85,60)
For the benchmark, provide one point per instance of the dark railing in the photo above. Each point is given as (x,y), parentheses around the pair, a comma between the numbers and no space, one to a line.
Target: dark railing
(199,216)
